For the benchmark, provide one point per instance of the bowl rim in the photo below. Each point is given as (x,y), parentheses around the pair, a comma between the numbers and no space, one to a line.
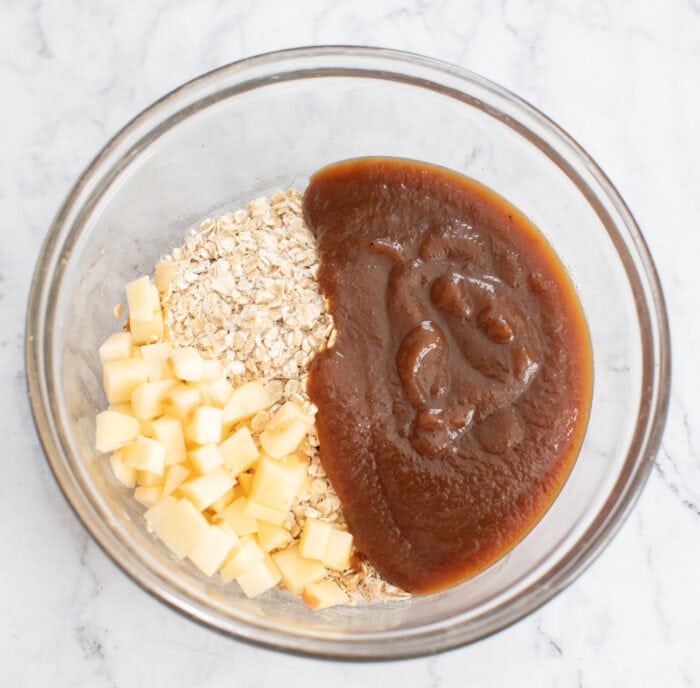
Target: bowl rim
(632,250)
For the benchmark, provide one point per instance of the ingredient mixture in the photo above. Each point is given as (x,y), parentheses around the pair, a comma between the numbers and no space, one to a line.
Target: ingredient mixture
(454,400)
(379,393)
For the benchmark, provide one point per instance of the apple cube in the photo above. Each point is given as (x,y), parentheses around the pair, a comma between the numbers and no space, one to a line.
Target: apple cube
(245,480)
(126,475)
(261,512)
(217,392)
(205,426)
(275,484)
(239,451)
(147,399)
(148,496)
(148,479)
(168,431)
(188,365)
(211,370)
(212,550)
(181,402)
(338,550)
(145,454)
(124,407)
(205,459)
(314,538)
(218,505)
(122,377)
(181,528)
(155,298)
(175,475)
(246,556)
(165,271)
(297,571)
(259,578)
(114,430)
(146,427)
(147,331)
(207,488)
(285,431)
(139,298)
(247,400)
(272,537)
(157,360)
(159,511)
(324,594)
(116,347)
(234,516)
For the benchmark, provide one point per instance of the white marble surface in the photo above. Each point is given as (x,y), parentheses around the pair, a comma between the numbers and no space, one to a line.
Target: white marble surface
(622,76)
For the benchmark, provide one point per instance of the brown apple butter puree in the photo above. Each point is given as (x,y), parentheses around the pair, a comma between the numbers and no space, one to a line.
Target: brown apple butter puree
(455,398)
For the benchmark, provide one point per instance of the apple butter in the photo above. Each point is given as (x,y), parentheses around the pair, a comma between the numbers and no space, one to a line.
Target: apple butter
(453,403)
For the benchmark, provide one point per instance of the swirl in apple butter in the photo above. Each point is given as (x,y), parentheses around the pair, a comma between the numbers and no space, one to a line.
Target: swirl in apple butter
(455,398)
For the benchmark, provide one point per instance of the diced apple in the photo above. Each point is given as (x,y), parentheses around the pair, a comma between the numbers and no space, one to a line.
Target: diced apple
(275,484)
(122,377)
(145,454)
(234,516)
(271,537)
(324,594)
(261,512)
(216,392)
(148,496)
(116,347)
(297,571)
(296,460)
(246,556)
(146,427)
(211,370)
(245,480)
(165,271)
(175,475)
(159,511)
(147,399)
(239,451)
(205,426)
(207,488)
(157,360)
(114,430)
(126,475)
(246,401)
(259,578)
(148,479)
(285,431)
(138,296)
(147,331)
(124,407)
(338,550)
(218,505)
(314,538)
(181,528)
(188,365)
(181,402)
(206,458)
(168,431)
(212,550)
(155,298)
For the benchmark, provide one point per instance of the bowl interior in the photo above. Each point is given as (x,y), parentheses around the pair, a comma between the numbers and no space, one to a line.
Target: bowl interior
(250,129)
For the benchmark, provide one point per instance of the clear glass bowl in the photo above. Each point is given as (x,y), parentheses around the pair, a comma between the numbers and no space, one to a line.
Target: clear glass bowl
(266,123)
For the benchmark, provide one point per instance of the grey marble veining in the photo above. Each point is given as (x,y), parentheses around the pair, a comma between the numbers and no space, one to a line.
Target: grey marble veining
(622,77)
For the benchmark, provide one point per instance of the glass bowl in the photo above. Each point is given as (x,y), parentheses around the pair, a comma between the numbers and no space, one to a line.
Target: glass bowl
(266,123)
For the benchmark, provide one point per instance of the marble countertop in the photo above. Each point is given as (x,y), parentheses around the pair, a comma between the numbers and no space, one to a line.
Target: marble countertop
(622,77)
